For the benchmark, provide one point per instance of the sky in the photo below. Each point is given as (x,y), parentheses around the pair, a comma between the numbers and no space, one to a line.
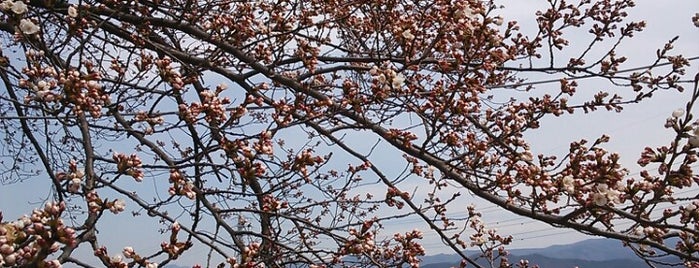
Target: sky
(638,126)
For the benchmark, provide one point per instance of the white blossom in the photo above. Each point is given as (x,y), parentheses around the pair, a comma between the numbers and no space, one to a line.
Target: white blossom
(28,27)
(381,78)
(649,230)
(479,241)
(374,71)
(677,113)
(118,206)
(599,199)
(79,173)
(398,81)
(116,259)
(6,249)
(614,196)
(408,35)
(11,259)
(42,85)
(498,21)
(128,252)
(74,185)
(19,8)
(6,5)
(569,184)
(72,12)
(465,12)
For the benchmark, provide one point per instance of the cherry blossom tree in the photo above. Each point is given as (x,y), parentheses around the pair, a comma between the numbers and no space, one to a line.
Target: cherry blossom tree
(254,128)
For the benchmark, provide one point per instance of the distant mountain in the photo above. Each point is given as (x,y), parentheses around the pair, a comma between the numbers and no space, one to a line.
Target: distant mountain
(592,253)
(592,249)
(546,262)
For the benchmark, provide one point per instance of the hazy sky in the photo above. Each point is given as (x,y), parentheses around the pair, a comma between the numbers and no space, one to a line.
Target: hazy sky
(631,130)
(636,127)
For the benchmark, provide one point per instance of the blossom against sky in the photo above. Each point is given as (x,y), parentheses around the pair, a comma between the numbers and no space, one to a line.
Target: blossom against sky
(638,126)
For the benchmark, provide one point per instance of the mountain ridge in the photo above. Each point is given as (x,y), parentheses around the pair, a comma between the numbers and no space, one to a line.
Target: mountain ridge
(593,253)
(590,253)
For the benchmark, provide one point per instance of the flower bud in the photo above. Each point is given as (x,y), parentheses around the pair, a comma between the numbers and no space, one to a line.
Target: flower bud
(677,113)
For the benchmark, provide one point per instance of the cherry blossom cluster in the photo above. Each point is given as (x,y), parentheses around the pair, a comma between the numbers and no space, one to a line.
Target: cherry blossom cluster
(114,261)
(583,180)
(246,24)
(248,258)
(84,91)
(385,81)
(95,204)
(486,239)
(180,185)
(42,81)
(352,96)
(480,237)
(169,74)
(391,195)
(18,9)
(77,24)
(568,183)
(129,253)
(74,176)
(402,136)
(272,204)
(251,252)
(604,195)
(353,169)
(116,206)
(29,240)
(244,156)
(690,213)
(120,260)
(264,145)
(689,241)
(129,165)
(360,241)
(407,250)
(650,155)
(283,112)
(175,248)
(400,249)
(145,62)
(304,160)
(308,54)
(211,105)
